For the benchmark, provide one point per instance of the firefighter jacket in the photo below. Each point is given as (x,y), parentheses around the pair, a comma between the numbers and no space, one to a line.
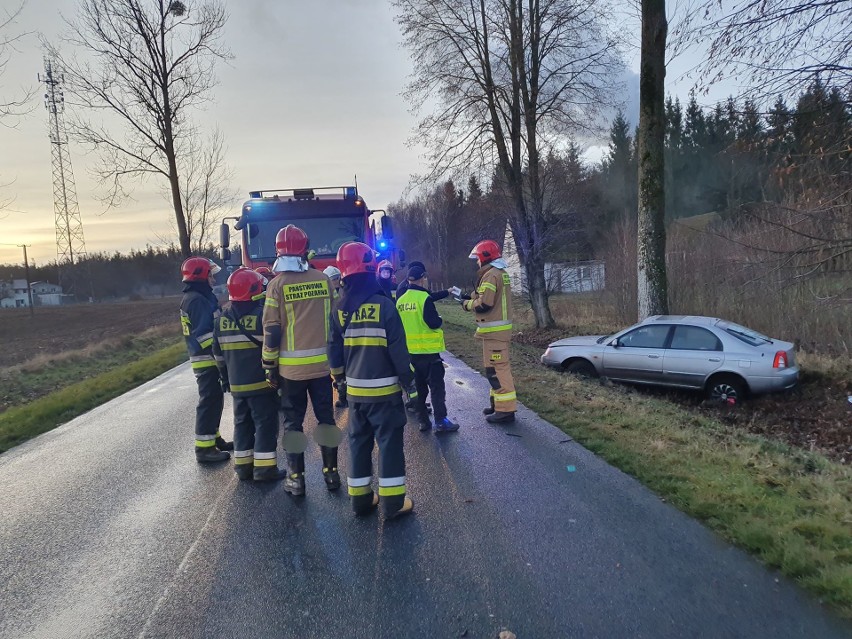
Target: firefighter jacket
(369,349)
(491,303)
(423,333)
(295,324)
(237,351)
(198,309)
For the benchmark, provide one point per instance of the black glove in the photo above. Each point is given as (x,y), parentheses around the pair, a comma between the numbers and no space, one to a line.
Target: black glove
(226,387)
(411,390)
(340,385)
(271,377)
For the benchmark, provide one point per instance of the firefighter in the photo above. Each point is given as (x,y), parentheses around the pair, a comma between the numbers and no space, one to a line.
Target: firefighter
(367,351)
(425,341)
(333,274)
(237,340)
(198,308)
(491,304)
(384,274)
(295,348)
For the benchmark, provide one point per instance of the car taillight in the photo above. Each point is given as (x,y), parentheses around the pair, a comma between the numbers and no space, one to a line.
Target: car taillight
(780,360)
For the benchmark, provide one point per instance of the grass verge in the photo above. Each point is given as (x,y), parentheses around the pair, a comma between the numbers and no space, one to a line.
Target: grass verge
(21,423)
(790,508)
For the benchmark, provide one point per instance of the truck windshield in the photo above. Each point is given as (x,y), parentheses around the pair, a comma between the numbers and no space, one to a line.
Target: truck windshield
(326,234)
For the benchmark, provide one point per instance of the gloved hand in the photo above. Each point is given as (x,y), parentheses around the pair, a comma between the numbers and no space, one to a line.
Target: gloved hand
(271,377)
(411,390)
(226,387)
(340,385)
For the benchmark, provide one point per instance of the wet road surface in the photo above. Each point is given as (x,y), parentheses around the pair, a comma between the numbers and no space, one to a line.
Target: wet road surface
(108,528)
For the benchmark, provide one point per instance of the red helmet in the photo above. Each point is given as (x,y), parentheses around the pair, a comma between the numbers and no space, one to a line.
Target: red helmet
(198,269)
(355,257)
(385,264)
(486,251)
(291,240)
(265,271)
(245,285)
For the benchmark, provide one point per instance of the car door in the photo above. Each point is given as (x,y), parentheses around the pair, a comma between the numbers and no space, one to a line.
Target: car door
(693,353)
(638,355)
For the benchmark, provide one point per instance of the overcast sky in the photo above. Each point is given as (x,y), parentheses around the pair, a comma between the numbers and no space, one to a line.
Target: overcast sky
(311,98)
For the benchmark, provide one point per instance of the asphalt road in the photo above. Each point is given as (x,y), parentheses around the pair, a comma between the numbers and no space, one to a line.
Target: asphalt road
(108,528)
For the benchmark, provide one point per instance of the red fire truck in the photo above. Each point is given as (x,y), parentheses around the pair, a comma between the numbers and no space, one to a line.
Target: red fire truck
(330,216)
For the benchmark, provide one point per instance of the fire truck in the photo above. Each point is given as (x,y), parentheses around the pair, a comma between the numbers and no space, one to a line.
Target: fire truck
(331,216)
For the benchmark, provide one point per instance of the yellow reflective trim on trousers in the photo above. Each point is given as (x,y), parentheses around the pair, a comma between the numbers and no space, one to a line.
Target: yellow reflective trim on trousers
(238,346)
(291,323)
(390,491)
(239,461)
(298,361)
(493,329)
(205,443)
(243,388)
(265,462)
(355,391)
(271,302)
(206,343)
(359,491)
(197,365)
(365,341)
(505,397)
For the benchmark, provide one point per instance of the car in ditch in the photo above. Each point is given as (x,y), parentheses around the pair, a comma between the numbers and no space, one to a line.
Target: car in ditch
(725,360)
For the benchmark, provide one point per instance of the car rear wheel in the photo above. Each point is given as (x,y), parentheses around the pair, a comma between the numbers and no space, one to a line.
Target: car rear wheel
(724,388)
(581,368)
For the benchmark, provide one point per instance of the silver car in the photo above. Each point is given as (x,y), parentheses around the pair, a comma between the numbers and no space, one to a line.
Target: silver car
(724,359)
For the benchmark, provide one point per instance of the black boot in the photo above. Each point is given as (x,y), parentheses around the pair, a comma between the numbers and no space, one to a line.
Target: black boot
(490,409)
(269,473)
(423,421)
(244,471)
(329,468)
(295,481)
(499,417)
(210,455)
(221,444)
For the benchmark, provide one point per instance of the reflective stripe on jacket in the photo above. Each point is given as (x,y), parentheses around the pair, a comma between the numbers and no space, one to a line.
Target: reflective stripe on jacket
(419,337)
(296,324)
(372,353)
(237,356)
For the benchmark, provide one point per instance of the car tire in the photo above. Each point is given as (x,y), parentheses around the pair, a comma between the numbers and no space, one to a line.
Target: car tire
(723,388)
(581,368)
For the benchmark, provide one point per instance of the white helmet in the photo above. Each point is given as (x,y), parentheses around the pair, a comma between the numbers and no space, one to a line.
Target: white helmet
(332,272)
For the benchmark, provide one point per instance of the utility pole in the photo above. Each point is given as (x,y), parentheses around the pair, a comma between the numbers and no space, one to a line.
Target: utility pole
(27,275)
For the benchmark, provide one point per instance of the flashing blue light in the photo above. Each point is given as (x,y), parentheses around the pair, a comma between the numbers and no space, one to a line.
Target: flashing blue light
(383,244)
(350,192)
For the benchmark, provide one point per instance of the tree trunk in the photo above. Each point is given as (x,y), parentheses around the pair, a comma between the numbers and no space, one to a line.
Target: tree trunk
(177,202)
(651,236)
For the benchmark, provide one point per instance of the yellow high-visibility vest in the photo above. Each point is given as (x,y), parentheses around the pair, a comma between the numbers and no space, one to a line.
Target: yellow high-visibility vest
(420,338)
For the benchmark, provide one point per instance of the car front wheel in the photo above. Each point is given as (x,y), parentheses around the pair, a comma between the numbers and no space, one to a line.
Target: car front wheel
(725,388)
(581,368)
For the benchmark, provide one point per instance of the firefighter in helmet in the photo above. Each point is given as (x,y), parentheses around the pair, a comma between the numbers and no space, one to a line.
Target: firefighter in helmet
(491,304)
(295,348)
(198,309)
(384,275)
(237,341)
(333,275)
(368,353)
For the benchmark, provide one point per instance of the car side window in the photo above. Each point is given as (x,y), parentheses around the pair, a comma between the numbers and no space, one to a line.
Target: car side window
(653,336)
(694,338)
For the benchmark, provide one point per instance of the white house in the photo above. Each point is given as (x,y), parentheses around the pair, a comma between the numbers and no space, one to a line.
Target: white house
(43,293)
(561,277)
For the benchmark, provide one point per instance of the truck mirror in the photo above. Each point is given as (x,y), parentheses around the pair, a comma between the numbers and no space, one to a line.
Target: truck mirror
(225,255)
(401,255)
(387,228)
(224,236)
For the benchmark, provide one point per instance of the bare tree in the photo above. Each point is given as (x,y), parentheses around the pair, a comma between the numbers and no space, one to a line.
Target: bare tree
(152,61)
(206,186)
(775,47)
(507,80)
(651,237)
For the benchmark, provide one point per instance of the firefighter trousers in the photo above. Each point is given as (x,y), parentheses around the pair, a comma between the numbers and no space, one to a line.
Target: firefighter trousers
(208,412)
(294,405)
(383,423)
(498,372)
(429,378)
(256,430)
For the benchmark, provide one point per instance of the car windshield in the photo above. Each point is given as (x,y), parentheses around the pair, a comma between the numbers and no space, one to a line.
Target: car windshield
(753,338)
(326,234)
